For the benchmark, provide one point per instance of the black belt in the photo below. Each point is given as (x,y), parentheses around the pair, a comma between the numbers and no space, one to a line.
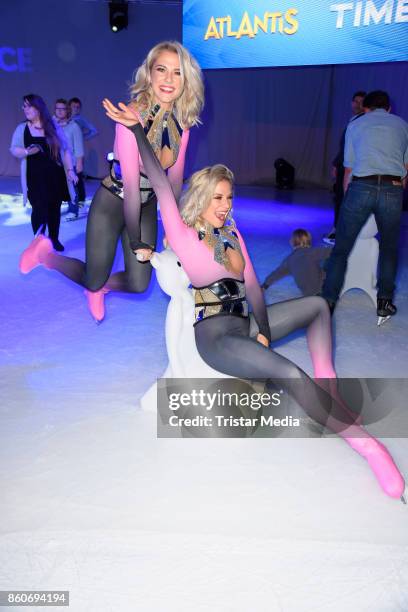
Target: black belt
(378,178)
(225,296)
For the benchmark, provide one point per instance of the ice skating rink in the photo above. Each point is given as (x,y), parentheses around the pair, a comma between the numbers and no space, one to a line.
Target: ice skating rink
(92,502)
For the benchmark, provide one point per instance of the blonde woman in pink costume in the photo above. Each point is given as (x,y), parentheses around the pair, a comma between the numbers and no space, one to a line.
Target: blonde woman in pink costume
(214,256)
(167,95)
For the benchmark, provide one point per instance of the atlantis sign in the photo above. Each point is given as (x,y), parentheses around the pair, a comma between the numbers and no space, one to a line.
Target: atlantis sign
(239,34)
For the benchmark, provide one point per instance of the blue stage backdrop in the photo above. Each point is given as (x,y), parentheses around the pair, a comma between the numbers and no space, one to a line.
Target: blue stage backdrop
(251,117)
(255,33)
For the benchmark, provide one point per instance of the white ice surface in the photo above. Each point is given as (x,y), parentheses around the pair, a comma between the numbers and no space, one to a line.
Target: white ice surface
(92,502)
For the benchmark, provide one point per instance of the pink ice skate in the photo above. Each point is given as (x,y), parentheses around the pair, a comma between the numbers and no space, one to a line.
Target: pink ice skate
(96,303)
(34,254)
(382,464)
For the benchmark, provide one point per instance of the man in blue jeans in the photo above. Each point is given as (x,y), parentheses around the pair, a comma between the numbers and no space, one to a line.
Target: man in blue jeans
(375,164)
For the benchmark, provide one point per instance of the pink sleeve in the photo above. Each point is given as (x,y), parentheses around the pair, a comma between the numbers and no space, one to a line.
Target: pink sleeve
(254,292)
(127,152)
(176,172)
(177,232)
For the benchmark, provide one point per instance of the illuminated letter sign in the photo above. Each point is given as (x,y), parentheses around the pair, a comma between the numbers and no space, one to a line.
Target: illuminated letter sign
(252,33)
(15,60)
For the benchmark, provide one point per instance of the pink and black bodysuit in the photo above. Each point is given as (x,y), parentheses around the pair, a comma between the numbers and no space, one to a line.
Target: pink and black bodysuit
(125,207)
(225,334)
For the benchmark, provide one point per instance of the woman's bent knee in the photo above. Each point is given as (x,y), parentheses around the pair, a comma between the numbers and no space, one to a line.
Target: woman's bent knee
(94,284)
(140,283)
(318,302)
(322,304)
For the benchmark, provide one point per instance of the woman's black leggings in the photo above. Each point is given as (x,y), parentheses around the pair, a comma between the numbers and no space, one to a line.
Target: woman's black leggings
(106,223)
(45,214)
(225,343)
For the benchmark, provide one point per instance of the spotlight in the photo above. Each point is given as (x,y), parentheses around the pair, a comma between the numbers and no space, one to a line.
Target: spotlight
(285,174)
(118,15)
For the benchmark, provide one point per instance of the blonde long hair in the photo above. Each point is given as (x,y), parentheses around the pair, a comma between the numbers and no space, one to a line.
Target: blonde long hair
(189,105)
(200,190)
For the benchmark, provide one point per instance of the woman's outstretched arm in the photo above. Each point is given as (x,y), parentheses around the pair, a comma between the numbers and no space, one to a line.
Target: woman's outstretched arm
(172,221)
(174,226)
(128,155)
(176,172)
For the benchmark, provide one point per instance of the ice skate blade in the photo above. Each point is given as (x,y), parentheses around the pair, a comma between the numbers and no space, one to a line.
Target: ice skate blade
(77,218)
(404,501)
(382,320)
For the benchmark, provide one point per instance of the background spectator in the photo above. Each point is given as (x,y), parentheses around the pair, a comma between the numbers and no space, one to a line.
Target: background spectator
(376,156)
(73,135)
(304,264)
(338,167)
(43,148)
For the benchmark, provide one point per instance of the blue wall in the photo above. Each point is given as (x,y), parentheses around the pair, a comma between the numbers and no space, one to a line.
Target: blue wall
(251,117)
